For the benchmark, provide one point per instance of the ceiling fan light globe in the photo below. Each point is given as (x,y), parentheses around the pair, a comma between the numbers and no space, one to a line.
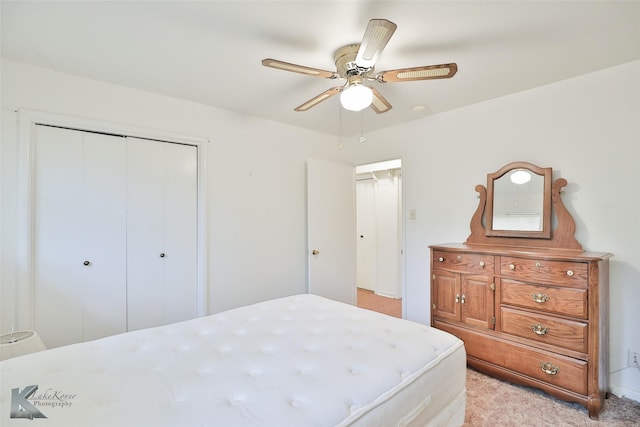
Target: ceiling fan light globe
(356,97)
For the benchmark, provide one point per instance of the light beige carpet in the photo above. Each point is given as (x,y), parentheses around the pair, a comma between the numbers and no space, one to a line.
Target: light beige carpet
(493,403)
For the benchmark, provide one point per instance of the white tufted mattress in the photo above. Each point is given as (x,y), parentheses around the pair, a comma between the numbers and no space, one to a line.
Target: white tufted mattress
(296,361)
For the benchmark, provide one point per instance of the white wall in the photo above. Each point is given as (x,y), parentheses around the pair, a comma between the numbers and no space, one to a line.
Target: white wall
(587,129)
(256,180)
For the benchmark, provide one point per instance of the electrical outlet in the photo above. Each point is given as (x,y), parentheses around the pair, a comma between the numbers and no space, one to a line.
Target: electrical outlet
(634,358)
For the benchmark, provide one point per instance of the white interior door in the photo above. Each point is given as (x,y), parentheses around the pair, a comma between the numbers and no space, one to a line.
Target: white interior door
(387,206)
(104,245)
(367,236)
(331,227)
(79,235)
(181,231)
(57,239)
(162,233)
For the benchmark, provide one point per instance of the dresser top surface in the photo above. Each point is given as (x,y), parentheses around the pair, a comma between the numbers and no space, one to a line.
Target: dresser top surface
(521,251)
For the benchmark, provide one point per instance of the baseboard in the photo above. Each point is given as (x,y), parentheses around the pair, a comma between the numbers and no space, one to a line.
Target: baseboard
(625,392)
(386,295)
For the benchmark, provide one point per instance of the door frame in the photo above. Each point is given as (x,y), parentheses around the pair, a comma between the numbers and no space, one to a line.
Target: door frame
(24,292)
(402,263)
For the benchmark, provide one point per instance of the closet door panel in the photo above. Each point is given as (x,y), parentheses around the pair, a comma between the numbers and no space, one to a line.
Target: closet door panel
(58,268)
(104,245)
(180,232)
(162,233)
(79,235)
(145,241)
(367,256)
(388,245)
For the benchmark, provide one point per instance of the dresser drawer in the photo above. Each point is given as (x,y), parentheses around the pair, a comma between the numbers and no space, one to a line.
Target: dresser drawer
(464,262)
(567,301)
(562,273)
(547,329)
(552,368)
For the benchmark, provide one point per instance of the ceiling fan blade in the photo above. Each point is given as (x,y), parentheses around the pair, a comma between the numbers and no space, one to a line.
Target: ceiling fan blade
(281,65)
(375,38)
(427,72)
(318,99)
(380,104)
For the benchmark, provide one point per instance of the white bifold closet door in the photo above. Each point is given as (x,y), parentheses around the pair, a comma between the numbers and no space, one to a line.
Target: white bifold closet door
(80,235)
(161,233)
(115,234)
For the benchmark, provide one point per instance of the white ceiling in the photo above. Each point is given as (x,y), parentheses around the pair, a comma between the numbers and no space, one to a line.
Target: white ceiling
(210,51)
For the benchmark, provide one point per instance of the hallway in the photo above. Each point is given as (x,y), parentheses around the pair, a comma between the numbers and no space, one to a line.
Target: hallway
(368,299)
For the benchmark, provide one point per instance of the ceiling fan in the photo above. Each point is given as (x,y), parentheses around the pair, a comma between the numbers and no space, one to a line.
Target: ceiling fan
(355,63)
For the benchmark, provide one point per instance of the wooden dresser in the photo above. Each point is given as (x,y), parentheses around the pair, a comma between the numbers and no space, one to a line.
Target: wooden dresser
(527,311)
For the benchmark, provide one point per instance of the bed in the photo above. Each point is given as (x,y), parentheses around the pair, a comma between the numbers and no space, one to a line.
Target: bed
(302,360)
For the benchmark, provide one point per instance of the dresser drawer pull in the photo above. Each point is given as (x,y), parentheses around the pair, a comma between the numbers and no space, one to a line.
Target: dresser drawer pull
(569,273)
(538,329)
(538,265)
(540,297)
(548,368)
(482,264)
(441,259)
(459,258)
(512,266)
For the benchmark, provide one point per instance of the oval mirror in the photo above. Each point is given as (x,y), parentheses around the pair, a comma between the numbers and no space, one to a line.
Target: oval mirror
(519,201)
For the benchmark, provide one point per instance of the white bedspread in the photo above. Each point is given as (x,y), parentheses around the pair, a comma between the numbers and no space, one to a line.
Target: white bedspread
(295,361)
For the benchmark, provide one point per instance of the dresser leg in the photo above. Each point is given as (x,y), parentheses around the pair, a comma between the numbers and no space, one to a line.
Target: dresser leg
(594,406)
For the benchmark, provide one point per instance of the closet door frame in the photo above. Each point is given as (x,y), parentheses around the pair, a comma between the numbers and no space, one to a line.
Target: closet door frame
(24,288)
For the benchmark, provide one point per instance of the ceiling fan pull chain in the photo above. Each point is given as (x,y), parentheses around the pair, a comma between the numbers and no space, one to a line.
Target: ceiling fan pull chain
(341,143)
(363,139)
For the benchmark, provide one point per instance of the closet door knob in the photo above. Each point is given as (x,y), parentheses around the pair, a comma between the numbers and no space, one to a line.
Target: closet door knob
(162,255)
(86,263)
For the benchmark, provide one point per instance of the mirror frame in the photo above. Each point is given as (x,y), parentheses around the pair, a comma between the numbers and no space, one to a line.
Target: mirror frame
(546,173)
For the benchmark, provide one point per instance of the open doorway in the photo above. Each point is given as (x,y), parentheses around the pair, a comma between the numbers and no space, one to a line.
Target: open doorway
(379,216)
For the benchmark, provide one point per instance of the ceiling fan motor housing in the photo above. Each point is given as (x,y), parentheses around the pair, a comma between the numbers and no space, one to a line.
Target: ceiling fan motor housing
(345,62)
